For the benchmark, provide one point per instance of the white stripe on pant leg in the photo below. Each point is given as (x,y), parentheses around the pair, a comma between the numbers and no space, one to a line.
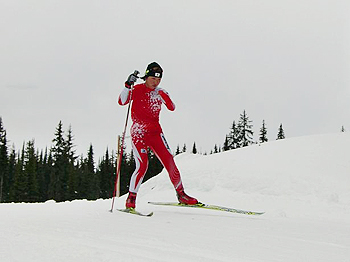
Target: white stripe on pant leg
(133,187)
(165,143)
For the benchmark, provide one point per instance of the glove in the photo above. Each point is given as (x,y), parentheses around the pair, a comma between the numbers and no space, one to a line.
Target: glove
(130,81)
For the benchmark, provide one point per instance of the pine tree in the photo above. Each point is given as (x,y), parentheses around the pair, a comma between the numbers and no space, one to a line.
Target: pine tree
(59,179)
(194,148)
(92,191)
(263,133)
(11,175)
(4,164)
(342,129)
(71,176)
(41,176)
(30,170)
(226,147)
(128,166)
(246,132)
(69,146)
(82,180)
(58,148)
(177,150)
(280,134)
(46,173)
(106,174)
(19,190)
(234,137)
(85,177)
(184,148)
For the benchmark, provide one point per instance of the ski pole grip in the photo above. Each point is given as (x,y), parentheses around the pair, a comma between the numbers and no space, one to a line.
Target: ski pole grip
(136,73)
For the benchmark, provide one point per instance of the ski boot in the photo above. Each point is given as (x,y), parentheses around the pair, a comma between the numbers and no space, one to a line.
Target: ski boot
(131,201)
(185,199)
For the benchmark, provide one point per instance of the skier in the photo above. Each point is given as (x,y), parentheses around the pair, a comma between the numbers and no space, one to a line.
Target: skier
(146,131)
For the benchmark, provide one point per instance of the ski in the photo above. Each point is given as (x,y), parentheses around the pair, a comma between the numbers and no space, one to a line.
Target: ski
(206,206)
(134,212)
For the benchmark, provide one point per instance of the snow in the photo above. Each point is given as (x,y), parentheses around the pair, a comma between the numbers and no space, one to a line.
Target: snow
(303,185)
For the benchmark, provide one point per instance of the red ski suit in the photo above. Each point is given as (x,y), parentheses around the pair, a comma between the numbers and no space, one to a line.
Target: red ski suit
(146,132)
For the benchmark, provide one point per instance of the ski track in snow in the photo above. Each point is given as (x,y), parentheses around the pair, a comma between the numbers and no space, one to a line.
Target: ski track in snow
(302,184)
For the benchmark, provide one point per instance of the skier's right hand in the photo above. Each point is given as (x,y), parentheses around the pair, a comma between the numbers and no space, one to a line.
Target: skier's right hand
(131,80)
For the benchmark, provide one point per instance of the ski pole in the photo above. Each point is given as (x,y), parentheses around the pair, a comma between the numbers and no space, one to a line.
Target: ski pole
(119,160)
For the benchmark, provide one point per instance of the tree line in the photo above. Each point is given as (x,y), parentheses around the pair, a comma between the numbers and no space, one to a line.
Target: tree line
(57,173)
(240,135)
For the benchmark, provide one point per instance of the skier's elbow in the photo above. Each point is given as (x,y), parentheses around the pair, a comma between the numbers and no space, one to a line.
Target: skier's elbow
(171,107)
(122,102)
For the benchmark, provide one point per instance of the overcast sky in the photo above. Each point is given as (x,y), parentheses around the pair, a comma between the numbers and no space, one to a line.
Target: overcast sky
(282,61)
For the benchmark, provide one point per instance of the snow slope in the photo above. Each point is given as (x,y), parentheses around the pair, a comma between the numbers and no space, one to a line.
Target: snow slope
(303,185)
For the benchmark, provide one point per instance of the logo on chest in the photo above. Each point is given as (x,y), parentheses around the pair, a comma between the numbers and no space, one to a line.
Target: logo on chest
(155,101)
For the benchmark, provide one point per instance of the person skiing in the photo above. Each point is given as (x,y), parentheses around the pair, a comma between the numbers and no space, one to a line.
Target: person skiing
(146,132)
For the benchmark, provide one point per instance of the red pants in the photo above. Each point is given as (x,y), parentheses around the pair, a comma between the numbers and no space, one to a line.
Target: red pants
(157,143)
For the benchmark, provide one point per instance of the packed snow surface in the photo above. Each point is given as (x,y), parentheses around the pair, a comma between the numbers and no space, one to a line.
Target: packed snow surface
(303,185)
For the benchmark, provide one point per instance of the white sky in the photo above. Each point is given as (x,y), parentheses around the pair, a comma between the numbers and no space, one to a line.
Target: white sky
(282,61)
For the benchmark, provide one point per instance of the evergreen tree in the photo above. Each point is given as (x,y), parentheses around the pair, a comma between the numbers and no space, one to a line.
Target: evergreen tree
(263,133)
(177,150)
(58,148)
(226,144)
(128,166)
(280,134)
(71,176)
(234,137)
(41,166)
(194,148)
(11,174)
(91,181)
(45,174)
(82,179)
(59,177)
(216,149)
(69,146)
(106,174)
(19,190)
(72,183)
(246,132)
(342,129)
(4,165)
(30,171)
(131,166)
(184,148)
